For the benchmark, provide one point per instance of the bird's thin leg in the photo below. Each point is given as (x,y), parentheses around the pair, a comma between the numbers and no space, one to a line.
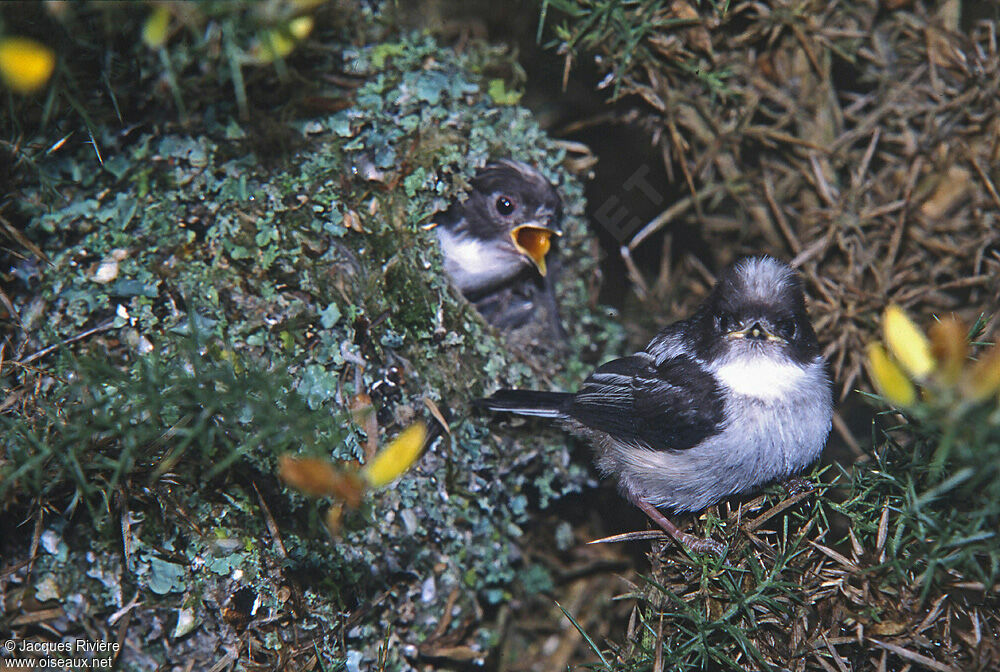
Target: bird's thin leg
(683,538)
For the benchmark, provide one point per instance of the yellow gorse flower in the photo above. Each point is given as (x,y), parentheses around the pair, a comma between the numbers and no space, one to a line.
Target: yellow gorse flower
(300,27)
(397,457)
(890,380)
(25,65)
(280,42)
(983,379)
(907,343)
(950,349)
(155,30)
(939,364)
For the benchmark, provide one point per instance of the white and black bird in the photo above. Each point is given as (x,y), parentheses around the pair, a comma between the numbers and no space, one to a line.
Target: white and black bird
(733,397)
(496,245)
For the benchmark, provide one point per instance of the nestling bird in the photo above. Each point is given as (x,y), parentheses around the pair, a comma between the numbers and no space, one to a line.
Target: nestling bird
(731,398)
(496,245)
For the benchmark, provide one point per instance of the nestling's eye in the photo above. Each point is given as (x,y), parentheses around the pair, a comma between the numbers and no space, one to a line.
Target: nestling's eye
(725,322)
(786,329)
(505,206)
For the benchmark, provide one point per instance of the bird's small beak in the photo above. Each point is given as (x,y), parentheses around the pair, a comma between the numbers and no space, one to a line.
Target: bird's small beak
(757,331)
(534,242)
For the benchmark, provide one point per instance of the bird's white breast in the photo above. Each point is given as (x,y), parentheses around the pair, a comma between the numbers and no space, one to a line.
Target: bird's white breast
(472,264)
(760,377)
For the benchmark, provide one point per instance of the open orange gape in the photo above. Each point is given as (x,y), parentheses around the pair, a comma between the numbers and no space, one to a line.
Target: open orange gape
(534,242)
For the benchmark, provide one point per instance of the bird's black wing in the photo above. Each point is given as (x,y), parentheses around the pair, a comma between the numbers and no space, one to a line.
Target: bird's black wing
(673,405)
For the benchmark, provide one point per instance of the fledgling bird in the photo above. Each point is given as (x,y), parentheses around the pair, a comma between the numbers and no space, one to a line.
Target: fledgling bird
(496,245)
(722,402)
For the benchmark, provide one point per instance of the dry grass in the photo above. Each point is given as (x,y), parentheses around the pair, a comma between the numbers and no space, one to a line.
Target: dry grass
(787,597)
(860,139)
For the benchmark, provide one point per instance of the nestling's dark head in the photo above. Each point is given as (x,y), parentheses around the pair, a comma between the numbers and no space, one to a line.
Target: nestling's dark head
(757,307)
(504,226)
(510,194)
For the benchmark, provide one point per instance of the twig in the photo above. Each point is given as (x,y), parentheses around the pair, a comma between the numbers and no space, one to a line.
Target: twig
(104,326)
(987,182)
(913,656)
(775,510)
(630,536)
(671,213)
(272,526)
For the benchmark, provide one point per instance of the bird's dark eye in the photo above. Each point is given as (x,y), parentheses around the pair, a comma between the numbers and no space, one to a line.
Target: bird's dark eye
(786,329)
(505,206)
(725,322)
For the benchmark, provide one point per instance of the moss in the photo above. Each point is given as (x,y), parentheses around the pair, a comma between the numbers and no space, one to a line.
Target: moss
(248,300)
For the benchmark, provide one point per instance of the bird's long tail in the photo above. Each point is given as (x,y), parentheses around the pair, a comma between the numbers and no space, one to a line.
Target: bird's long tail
(527,402)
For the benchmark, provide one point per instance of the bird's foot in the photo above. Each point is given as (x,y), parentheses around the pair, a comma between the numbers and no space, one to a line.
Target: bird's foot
(699,545)
(797,486)
(689,541)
